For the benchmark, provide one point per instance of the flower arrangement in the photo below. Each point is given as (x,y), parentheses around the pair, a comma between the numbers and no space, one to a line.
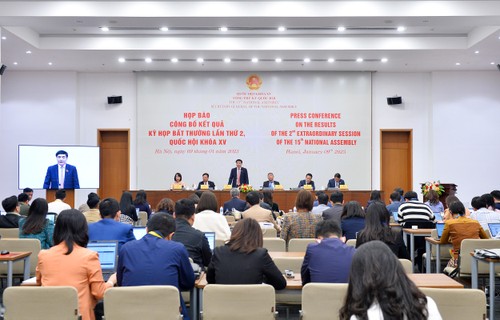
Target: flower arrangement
(432,185)
(245,188)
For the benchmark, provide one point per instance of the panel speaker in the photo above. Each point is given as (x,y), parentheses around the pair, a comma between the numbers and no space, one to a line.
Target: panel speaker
(114,99)
(2,69)
(394,100)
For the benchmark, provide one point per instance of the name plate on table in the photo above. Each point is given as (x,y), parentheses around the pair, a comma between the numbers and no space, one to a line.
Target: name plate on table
(308,187)
(204,187)
(179,187)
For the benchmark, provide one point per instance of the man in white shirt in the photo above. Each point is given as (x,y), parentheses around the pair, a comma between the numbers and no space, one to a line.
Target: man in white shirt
(59,205)
(322,204)
(482,214)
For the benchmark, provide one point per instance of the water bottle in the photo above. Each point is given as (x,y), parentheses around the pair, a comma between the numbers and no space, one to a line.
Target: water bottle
(221,210)
(294,209)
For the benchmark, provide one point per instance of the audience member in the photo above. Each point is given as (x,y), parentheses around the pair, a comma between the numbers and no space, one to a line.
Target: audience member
(433,201)
(316,202)
(376,228)
(36,225)
(207,218)
(459,228)
(12,216)
(109,227)
(336,182)
(178,183)
(329,260)
(235,203)
(154,260)
(58,204)
(127,208)
(449,200)
(395,200)
(24,205)
(490,201)
(268,198)
(141,202)
(93,214)
(243,260)
(206,183)
(300,224)
(374,197)
(262,204)
(322,204)
(401,193)
(496,197)
(482,214)
(380,289)
(166,205)
(29,192)
(194,240)
(195,197)
(337,198)
(257,212)
(307,182)
(352,219)
(69,263)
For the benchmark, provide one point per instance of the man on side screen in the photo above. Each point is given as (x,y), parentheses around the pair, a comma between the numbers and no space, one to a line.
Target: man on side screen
(11,218)
(337,198)
(61,175)
(330,259)
(238,175)
(205,182)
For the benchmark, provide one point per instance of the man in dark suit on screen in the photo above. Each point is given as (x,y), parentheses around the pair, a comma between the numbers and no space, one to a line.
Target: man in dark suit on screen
(61,175)
(239,175)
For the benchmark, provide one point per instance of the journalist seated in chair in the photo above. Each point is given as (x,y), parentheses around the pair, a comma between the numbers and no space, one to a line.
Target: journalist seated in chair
(243,260)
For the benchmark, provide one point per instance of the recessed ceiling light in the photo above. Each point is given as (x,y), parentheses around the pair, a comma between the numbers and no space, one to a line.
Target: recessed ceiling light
(401,29)
(281,29)
(164,29)
(359,60)
(278,60)
(174,60)
(4,38)
(227,60)
(384,60)
(341,29)
(331,60)
(307,60)
(255,60)
(148,60)
(492,62)
(50,63)
(476,52)
(200,60)
(28,52)
(104,28)
(15,63)
(223,29)
(457,63)
(121,60)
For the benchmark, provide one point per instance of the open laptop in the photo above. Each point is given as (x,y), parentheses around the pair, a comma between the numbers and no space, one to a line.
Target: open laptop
(51,216)
(439,229)
(139,232)
(108,256)
(211,239)
(438,216)
(395,216)
(494,228)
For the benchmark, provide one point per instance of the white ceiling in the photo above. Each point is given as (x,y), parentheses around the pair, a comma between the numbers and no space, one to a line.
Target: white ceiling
(438,35)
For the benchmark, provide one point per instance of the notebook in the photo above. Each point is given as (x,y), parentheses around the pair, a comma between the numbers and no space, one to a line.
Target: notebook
(211,239)
(494,229)
(139,232)
(108,256)
(439,228)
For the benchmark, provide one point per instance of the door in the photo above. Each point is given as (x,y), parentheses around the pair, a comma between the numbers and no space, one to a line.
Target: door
(114,162)
(396,168)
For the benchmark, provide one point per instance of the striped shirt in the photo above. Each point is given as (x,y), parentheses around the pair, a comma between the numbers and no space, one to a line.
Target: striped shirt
(414,210)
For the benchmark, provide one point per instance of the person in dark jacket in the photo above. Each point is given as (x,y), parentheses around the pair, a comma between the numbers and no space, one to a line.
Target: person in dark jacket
(12,216)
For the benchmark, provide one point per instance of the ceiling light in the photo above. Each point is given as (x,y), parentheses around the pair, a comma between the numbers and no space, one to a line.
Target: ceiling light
(4,38)
(200,60)
(401,29)
(457,63)
(227,60)
(384,60)
(255,60)
(492,62)
(281,29)
(223,29)
(15,63)
(331,60)
(28,52)
(174,60)
(476,52)
(359,60)
(164,29)
(105,29)
(121,60)
(341,29)
(278,60)
(307,60)
(50,63)
(148,60)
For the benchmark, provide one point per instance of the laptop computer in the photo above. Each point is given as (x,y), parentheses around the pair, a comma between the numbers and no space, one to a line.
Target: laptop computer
(108,256)
(139,232)
(395,216)
(211,239)
(439,229)
(51,216)
(494,228)
(438,216)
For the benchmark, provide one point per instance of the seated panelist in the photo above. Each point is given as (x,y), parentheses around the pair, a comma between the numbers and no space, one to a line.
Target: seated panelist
(205,182)
(307,181)
(270,183)
(336,182)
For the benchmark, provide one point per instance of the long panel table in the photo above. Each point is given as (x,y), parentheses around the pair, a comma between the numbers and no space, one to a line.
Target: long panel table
(284,198)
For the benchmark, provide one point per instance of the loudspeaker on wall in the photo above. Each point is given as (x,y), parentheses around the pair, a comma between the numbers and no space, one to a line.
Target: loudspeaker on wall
(114,99)
(394,100)
(2,69)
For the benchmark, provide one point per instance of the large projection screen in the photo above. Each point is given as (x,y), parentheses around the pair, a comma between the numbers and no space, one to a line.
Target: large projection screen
(288,123)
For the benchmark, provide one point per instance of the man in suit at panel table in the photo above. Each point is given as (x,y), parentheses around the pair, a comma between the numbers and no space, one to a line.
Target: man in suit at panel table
(307,181)
(109,228)
(205,182)
(336,182)
(257,212)
(238,175)
(61,175)
(235,202)
(270,183)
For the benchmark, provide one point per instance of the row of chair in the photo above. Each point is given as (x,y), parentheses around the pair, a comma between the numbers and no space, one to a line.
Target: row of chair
(319,301)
